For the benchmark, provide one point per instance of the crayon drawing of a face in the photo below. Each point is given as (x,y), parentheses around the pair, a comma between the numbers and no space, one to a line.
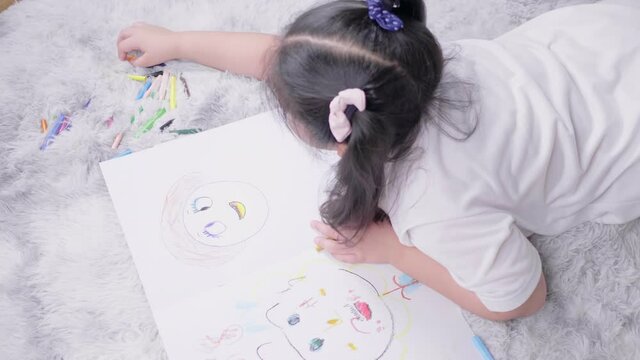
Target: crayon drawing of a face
(206,223)
(345,318)
(224,213)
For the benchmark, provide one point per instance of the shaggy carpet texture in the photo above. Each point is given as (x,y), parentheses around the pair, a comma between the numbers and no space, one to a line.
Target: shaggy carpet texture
(68,286)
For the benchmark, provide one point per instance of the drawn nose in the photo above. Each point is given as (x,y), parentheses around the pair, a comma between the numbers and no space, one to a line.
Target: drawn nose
(215,228)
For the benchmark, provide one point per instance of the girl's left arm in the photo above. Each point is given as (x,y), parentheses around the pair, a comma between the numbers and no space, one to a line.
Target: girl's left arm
(380,244)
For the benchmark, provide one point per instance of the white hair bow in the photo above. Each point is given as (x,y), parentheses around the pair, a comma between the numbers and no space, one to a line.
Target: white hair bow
(339,121)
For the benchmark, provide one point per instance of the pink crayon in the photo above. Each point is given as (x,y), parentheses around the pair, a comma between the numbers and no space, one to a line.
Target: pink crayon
(117,141)
(154,86)
(66,123)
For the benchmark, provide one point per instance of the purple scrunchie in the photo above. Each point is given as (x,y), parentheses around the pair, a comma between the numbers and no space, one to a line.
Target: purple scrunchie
(386,19)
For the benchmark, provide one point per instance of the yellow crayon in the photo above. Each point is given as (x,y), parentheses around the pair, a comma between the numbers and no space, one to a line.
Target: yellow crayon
(352,346)
(319,248)
(172,88)
(140,78)
(323,292)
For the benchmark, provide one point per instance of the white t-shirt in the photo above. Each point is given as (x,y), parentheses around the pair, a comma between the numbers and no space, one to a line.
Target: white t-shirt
(557,143)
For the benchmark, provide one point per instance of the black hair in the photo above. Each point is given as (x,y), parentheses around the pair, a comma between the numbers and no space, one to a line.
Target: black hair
(336,46)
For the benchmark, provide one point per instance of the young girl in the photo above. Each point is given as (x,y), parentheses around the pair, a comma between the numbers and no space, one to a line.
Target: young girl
(450,156)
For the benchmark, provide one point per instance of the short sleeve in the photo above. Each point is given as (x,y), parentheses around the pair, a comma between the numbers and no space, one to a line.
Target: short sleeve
(486,254)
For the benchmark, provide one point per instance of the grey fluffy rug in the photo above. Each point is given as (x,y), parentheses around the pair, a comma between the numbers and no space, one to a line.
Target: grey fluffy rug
(68,287)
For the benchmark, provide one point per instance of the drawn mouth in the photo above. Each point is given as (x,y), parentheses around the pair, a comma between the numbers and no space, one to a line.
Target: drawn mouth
(353,324)
(360,308)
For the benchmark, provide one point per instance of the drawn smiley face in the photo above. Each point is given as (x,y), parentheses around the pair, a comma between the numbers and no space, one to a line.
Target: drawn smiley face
(224,213)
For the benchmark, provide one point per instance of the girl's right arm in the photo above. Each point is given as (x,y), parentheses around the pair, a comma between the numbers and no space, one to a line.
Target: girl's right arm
(240,53)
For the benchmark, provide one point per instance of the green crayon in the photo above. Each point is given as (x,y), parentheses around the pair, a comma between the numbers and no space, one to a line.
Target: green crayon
(149,124)
(186,131)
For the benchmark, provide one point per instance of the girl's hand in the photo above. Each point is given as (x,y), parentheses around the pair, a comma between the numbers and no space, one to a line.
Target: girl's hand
(157,43)
(377,244)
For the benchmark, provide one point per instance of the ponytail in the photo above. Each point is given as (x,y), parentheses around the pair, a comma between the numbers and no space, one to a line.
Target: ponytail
(381,134)
(360,175)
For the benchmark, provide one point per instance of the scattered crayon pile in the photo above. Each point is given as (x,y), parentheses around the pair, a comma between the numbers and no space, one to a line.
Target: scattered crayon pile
(158,92)
(62,123)
(158,87)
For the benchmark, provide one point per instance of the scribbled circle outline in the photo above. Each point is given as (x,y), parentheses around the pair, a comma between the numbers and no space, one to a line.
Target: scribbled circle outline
(191,251)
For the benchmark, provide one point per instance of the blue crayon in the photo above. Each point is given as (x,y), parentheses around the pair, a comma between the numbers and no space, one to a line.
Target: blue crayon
(144,88)
(124,152)
(482,348)
(53,131)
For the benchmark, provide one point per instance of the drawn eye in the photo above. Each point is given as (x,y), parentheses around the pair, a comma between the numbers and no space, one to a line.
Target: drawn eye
(239,208)
(293,319)
(316,344)
(214,229)
(201,204)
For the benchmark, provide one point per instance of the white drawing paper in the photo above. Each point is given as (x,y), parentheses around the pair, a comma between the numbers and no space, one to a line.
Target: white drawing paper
(218,227)
(314,308)
(204,208)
